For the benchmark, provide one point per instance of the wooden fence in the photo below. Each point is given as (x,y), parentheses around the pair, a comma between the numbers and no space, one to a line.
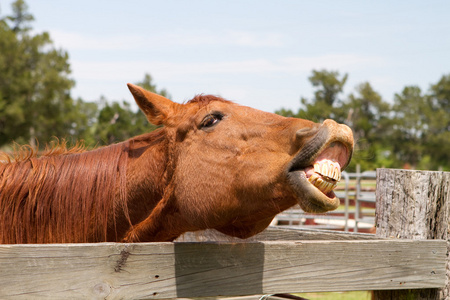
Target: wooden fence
(407,259)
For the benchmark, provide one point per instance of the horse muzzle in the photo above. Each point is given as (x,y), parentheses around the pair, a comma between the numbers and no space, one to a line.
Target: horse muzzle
(316,169)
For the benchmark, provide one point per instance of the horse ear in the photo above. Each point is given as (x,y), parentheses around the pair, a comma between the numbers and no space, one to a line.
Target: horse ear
(156,108)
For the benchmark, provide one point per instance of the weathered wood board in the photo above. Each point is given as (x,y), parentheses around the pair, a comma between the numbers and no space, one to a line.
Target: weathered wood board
(413,205)
(171,270)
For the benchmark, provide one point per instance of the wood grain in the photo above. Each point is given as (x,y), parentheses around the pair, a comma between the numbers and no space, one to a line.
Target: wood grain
(413,205)
(171,270)
(274,233)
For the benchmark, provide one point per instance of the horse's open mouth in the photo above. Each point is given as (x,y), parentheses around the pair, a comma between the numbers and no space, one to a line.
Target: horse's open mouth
(315,183)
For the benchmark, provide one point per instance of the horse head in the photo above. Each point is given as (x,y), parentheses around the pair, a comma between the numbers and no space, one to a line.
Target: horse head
(233,168)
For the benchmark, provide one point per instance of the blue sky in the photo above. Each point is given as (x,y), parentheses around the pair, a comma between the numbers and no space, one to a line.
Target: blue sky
(257,53)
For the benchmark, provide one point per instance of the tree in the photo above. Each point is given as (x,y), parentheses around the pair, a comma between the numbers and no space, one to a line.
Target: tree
(148,84)
(114,123)
(12,96)
(34,82)
(365,112)
(409,126)
(35,100)
(367,115)
(117,121)
(438,136)
(83,118)
(414,131)
(328,87)
(20,16)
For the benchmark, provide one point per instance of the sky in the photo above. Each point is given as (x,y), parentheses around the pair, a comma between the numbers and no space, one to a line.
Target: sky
(257,53)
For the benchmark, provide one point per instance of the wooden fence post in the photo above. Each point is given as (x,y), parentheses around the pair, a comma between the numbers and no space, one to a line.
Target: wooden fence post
(413,205)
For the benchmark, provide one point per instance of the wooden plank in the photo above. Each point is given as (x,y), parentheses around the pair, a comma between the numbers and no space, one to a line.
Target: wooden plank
(276,233)
(171,270)
(413,205)
(286,233)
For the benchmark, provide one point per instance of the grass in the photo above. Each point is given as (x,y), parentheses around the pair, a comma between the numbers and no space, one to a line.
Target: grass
(359,295)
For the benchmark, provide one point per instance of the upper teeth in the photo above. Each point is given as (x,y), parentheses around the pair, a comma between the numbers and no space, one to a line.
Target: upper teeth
(327,174)
(329,169)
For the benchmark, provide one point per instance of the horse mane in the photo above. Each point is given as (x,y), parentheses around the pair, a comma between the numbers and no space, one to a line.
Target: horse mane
(54,148)
(62,195)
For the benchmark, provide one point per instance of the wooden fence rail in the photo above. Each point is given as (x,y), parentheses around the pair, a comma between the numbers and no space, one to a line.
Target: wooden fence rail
(276,261)
(173,270)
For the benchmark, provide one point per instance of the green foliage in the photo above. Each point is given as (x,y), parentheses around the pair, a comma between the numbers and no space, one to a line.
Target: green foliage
(117,121)
(409,125)
(35,101)
(438,131)
(328,87)
(20,16)
(367,114)
(412,132)
(148,84)
(34,82)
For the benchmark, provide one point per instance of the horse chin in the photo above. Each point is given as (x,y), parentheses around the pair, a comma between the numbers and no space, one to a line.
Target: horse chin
(310,198)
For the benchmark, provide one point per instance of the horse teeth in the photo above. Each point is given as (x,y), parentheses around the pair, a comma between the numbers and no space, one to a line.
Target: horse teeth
(327,187)
(338,173)
(326,175)
(313,178)
(325,169)
(324,188)
(317,168)
(332,170)
(319,183)
(323,185)
(328,169)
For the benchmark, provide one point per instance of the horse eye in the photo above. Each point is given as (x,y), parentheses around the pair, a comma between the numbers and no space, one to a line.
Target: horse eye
(211,120)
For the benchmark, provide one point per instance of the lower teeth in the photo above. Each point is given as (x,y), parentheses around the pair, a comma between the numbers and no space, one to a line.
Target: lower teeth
(323,185)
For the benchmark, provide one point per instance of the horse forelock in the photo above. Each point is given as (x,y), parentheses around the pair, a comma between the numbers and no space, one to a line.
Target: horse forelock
(204,100)
(64,195)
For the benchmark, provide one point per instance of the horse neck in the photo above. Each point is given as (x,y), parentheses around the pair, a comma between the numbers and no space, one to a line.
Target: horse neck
(146,173)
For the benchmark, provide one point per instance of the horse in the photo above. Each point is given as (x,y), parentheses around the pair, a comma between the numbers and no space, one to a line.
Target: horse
(211,164)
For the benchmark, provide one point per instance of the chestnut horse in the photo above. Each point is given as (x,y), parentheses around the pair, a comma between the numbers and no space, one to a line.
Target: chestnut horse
(213,164)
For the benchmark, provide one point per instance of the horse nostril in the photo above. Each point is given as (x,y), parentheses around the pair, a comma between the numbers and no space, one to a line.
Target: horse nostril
(307,131)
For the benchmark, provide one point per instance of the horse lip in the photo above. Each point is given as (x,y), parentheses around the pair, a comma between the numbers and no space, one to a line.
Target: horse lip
(319,143)
(306,155)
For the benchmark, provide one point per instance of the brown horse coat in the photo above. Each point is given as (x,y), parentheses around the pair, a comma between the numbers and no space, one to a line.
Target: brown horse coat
(213,164)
